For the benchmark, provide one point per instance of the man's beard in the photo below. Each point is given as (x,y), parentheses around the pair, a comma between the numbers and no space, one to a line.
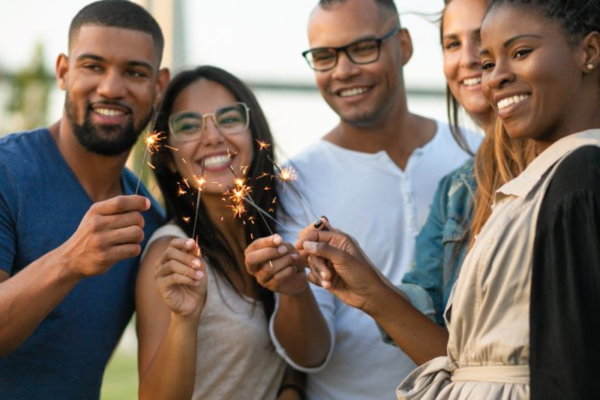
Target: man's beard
(106,140)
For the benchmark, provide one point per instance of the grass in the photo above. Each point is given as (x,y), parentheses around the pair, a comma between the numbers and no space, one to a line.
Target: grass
(121,376)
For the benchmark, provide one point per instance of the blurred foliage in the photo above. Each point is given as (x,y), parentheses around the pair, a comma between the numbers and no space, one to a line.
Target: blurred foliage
(29,94)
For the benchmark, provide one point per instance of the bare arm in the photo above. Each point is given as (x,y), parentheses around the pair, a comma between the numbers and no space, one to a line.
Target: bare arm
(352,278)
(110,231)
(170,295)
(298,322)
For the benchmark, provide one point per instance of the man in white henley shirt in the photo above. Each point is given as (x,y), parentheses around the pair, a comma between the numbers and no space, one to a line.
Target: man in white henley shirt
(374,176)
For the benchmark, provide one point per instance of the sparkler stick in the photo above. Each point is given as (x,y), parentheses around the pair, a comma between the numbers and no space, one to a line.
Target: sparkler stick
(287,175)
(201,182)
(152,146)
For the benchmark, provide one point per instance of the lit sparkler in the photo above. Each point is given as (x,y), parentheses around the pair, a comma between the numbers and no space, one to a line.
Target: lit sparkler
(201,182)
(152,142)
(286,175)
(241,195)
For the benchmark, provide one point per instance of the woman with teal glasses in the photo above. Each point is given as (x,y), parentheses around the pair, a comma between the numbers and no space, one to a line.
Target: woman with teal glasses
(202,319)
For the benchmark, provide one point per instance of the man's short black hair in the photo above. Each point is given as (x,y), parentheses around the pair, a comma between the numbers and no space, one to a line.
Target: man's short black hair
(387,7)
(119,14)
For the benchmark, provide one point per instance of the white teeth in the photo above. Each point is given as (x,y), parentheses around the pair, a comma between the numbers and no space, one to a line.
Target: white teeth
(353,92)
(509,101)
(109,112)
(472,81)
(216,161)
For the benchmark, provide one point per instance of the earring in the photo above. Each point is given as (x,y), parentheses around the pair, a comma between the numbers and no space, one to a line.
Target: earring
(590,67)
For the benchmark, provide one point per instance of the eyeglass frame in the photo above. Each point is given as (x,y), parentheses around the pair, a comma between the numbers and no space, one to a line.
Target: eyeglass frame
(378,40)
(203,116)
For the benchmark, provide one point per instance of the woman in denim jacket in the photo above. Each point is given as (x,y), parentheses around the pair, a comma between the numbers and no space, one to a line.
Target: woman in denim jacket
(459,208)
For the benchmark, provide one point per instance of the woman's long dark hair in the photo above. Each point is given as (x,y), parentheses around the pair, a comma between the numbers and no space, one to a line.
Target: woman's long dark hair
(220,254)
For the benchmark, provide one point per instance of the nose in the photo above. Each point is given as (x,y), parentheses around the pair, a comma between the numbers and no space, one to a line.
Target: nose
(112,85)
(500,76)
(212,135)
(469,56)
(345,68)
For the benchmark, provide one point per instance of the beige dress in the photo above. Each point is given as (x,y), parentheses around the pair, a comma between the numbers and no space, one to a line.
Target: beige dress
(235,356)
(488,313)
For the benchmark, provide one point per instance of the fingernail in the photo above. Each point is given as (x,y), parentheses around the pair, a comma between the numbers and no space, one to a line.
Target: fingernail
(277,240)
(148,203)
(295,256)
(324,217)
(196,263)
(318,224)
(310,245)
(189,243)
(199,274)
(323,275)
(282,249)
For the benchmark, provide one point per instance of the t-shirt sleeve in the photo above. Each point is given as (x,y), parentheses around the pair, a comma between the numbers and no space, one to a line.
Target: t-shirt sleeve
(8,211)
(565,290)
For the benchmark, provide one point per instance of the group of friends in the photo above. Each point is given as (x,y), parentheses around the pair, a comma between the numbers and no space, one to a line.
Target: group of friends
(448,264)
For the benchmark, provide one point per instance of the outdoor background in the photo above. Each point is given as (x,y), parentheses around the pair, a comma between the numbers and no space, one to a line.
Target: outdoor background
(258,40)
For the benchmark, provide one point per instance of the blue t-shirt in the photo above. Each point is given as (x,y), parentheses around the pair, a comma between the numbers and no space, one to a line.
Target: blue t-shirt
(41,205)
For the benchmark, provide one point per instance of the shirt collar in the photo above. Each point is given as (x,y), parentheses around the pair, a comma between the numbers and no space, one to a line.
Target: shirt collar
(522,185)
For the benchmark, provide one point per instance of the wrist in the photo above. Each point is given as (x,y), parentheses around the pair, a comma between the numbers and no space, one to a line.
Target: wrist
(377,302)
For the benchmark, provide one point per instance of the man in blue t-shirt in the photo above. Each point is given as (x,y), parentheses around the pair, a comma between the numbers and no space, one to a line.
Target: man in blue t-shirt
(71,228)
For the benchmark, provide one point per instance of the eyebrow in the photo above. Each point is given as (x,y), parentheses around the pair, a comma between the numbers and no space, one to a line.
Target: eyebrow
(131,63)
(455,35)
(510,41)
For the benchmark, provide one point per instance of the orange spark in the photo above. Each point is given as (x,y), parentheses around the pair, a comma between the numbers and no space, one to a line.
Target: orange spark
(263,145)
(152,141)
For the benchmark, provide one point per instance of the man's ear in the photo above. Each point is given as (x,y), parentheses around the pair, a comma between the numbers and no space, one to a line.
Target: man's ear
(162,81)
(406,46)
(62,70)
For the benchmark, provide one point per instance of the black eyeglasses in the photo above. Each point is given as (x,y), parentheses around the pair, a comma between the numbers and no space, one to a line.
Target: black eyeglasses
(364,51)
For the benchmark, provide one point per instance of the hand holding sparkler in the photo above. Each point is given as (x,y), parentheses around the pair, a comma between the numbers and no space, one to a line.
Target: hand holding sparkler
(347,272)
(276,265)
(111,231)
(181,278)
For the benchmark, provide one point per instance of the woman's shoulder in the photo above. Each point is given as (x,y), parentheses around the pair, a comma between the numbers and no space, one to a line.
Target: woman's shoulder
(579,171)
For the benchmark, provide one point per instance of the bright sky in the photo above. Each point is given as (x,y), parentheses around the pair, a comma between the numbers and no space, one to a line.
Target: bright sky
(258,40)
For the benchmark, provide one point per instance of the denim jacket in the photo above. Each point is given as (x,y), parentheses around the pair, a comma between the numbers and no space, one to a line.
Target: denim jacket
(442,244)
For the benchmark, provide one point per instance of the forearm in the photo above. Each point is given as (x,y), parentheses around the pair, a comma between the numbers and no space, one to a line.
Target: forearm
(419,337)
(171,374)
(302,330)
(29,296)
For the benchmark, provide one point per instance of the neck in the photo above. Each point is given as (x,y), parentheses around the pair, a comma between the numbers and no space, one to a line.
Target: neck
(398,136)
(99,175)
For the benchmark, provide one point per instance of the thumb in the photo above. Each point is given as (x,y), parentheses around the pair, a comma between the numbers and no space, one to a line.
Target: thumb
(326,251)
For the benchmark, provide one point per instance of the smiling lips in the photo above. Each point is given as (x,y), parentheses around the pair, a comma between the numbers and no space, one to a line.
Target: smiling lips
(472,81)
(217,162)
(352,91)
(509,101)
